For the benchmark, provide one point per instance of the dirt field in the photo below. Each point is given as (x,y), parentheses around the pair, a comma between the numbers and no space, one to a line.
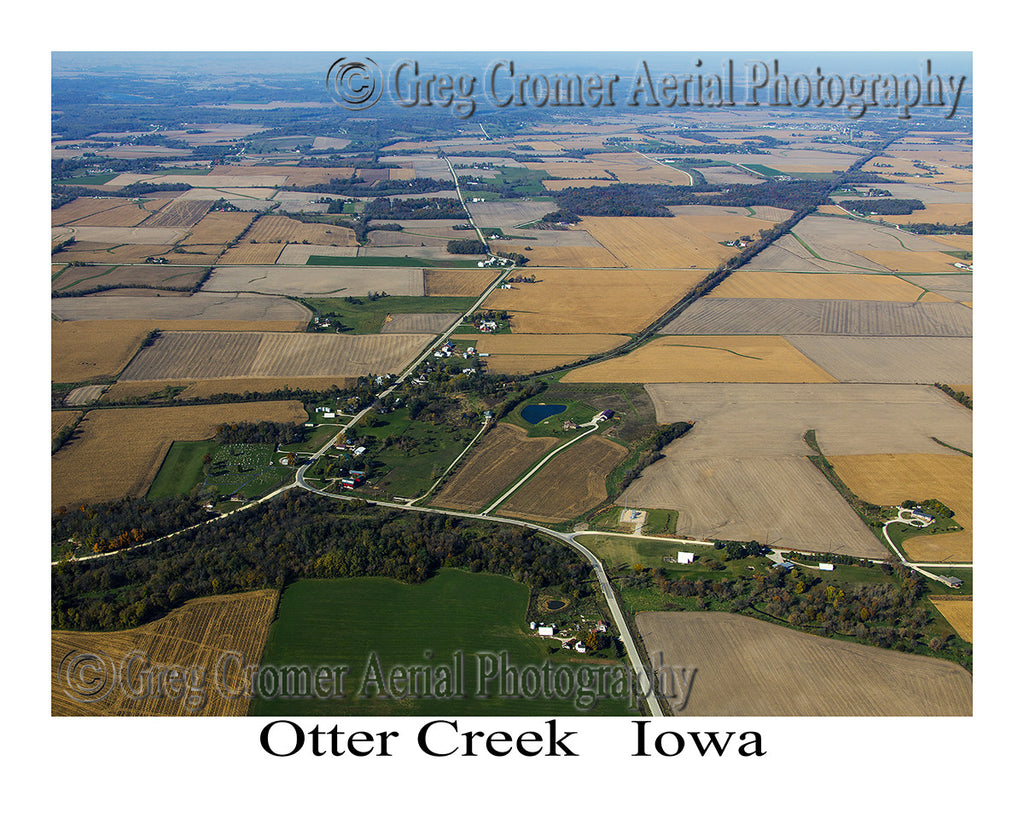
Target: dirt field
(508,213)
(739,672)
(87,350)
(110,236)
(503,454)
(148,275)
(244,307)
(103,213)
(315,280)
(273,229)
(959,613)
(711,316)
(591,301)
(782,501)
(219,228)
(889,479)
(81,208)
(247,253)
(430,323)
(683,241)
(179,213)
(199,355)
(117,452)
(194,636)
(707,358)
(568,485)
(733,420)
(745,284)
(888,359)
(456,282)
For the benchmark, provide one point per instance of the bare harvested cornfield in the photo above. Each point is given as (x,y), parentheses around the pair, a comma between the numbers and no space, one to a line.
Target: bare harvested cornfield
(87,350)
(199,355)
(110,236)
(117,452)
(299,254)
(569,484)
(564,300)
(182,213)
(734,420)
(889,479)
(212,638)
(783,501)
(456,282)
(739,671)
(315,280)
(430,323)
(504,454)
(248,253)
(905,261)
(711,316)
(744,284)
(889,359)
(508,213)
(683,241)
(125,276)
(766,359)
(959,613)
(211,387)
(108,253)
(219,228)
(82,207)
(102,213)
(203,306)
(273,229)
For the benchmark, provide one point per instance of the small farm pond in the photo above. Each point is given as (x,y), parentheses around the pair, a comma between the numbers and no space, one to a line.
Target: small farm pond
(535,413)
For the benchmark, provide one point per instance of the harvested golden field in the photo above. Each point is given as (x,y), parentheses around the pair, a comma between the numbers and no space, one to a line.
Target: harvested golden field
(959,613)
(831,210)
(958,241)
(122,277)
(105,253)
(889,166)
(945,213)
(248,253)
(682,241)
(564,300)
(187,356)
(887,480)
(60,419)
(908,261)
(121,215)
(569,484)
(743,359)
(273,229)
(745,284)
(219,228)
(117,452)
(519,353)
(456,282)
(560,256)
(246,310)
(87,350)
(503,455)
(194,638)
(746,667)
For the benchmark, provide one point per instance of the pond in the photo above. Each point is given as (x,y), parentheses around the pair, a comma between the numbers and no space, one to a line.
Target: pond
(535,413)
(555,605)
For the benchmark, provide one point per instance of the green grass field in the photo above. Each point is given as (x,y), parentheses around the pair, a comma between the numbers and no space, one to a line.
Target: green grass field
(625,552)
(387,261)
(367,316)
(182,469)
(373,624)
(242,469)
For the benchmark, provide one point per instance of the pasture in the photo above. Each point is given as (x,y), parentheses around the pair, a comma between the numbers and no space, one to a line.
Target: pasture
(118,452)
(739,673)
(191,637)
(355,622)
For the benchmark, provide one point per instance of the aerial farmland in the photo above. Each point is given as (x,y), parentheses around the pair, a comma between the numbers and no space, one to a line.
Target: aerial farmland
(597,388)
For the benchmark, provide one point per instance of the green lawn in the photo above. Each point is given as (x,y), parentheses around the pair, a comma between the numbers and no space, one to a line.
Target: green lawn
(368,316)
(182,469)
(370,623)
